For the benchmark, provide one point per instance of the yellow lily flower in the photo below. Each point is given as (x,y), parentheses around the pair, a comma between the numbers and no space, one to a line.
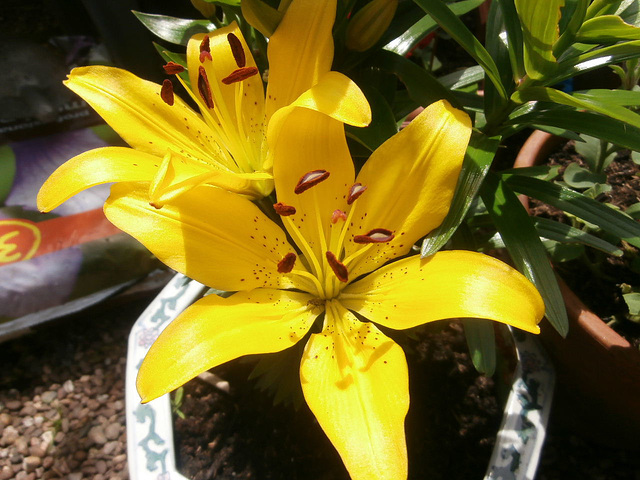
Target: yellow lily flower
(346,268)
(174,148)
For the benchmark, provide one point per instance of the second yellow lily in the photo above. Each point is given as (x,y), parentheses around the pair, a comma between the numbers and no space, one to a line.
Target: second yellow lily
(176,149)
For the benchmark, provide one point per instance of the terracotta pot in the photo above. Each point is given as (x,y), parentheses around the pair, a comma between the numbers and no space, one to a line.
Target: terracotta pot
(598,371)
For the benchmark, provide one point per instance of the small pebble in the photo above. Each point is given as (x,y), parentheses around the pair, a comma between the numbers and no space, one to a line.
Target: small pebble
(48,397)
(30,463)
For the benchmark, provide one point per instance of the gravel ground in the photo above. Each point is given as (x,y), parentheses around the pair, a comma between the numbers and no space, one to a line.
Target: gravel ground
(62,409)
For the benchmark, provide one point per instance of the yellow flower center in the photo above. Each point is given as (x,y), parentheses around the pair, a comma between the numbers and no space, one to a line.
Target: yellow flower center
(329,273)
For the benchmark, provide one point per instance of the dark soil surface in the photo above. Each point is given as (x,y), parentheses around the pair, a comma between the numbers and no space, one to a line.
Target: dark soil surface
(597,277)
(242,435)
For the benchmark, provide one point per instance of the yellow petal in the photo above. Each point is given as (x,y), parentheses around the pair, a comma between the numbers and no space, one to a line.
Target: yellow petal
(308,141)
(101,165)
(178,174)
(238,107)
(300,51)
(216,237)
(410,181)
(337,96)
(449,284)
(215,330)
(356,383)
(134,109)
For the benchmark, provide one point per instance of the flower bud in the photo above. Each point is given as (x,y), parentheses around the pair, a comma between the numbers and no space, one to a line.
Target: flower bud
(369,24)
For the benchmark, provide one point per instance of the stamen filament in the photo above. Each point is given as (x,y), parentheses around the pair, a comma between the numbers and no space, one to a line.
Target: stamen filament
(304,246)
(228,160)
(308,276)
(357,253)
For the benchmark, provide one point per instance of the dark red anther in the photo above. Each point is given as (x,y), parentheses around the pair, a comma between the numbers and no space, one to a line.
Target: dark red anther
(205,50)
(377,235)
(203,87)
(166,92)
(237,50)
(286,264)
(283,209)
(338,215)
(338,268)
(355,191)
(310,179)
(173,68)
(239,75)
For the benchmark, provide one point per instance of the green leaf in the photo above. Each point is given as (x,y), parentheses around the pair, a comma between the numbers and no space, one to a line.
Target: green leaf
(540,31)
(633,211)
(261,16)
(622,98)
(607,29)
(172,29)
(601,7)
(543,172)
(575,11)
(592,152)
(545,94)
(382,126)
(477,160)
(423,87)
(524,245)
(233,3)
(7,171)
(563,252)
(629,11)
(577,177)
(451,24)
(610,220)
(482,344)
(561,232)
(500,52)
(404,43)
(572,65)
(462,78)
(633,302)
(514,37)
(593,124)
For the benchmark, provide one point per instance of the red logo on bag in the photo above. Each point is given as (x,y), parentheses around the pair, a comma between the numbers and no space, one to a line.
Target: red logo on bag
(19,240)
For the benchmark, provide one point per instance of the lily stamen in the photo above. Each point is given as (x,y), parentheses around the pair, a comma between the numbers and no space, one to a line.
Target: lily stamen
(203,87)
(205,50)
(377,235)
(240,75)
(173,68)
(166,92)
(286,264)
(338,268)
(310,179)
(355,191)
(237,50)
(283,209)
